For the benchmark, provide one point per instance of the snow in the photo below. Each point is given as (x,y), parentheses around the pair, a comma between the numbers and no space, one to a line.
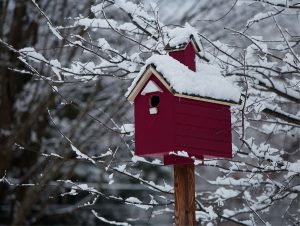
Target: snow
(32,54)
(127,65)
(294,167)
(108,221)
(276,108)
(52,154)
(137,158)
(264,151)
(55,68)
(292,59)
(207,215)
(135,10)
(259,42)
(150,184)
(108,153)
(260,16)
(127,129)
(56,155)
(95,23)
(54,31)
(180,153)
(207,83)
(182,35)
(127,27)
(110,177)
(211,212)
(136,202)
(150,88)
(230,181)
(280,86)
(121,168)
(133,200)
(97,9)
(82,187)
(273,2)
(103,44)
(80,154)
(153,201)
(226,193)
(72,192)
(224,47)
(228,213)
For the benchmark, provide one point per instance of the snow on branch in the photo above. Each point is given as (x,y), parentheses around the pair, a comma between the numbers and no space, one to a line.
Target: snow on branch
(108,221)
(49,23)
(279,3)
(278,112)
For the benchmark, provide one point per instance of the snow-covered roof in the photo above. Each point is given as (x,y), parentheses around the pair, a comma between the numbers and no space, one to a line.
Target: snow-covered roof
(179,37)
(208,83)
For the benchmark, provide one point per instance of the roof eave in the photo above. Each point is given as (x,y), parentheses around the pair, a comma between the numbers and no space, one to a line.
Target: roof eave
(206,99)
(150,69)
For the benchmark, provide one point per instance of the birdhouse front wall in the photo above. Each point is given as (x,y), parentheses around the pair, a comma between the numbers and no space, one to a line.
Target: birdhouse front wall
(154,124)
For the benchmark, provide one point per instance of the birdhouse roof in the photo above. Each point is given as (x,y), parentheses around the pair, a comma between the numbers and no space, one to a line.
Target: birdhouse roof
(207,85)
(183,44)
(179,37)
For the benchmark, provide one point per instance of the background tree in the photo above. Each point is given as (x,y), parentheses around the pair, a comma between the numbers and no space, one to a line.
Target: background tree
(66,146)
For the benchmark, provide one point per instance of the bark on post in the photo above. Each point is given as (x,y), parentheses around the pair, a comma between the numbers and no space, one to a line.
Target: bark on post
(184,187)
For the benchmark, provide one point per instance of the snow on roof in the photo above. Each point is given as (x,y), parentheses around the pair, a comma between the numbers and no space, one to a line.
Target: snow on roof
(207,83)
(180,36)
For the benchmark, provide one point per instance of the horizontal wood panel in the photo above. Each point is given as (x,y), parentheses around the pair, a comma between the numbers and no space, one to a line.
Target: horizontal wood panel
(223,134)
(225,153)
(196,143)
(201,122)
(198,111)
(175,160)
(201,103)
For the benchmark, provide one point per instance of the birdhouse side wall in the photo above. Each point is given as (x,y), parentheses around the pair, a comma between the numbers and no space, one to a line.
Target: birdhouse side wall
(154,132)
(202,128)
(186,56)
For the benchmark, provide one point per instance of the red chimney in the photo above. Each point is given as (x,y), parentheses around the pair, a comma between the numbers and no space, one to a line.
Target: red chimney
(186,55)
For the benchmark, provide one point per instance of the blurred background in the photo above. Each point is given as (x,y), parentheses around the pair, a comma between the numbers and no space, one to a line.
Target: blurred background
(36,159)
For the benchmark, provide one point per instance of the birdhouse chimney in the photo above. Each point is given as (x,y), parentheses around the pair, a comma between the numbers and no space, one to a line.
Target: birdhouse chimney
(186,55)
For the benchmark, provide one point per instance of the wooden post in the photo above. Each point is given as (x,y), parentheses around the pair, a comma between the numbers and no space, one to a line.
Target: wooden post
(184,187)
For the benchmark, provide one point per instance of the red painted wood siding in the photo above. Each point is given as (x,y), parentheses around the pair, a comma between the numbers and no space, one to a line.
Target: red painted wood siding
(202,128)
(178,160)
(186,56)
(154,133)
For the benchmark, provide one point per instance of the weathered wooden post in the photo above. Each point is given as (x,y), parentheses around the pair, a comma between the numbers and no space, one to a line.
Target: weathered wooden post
(184,188)
(180,113)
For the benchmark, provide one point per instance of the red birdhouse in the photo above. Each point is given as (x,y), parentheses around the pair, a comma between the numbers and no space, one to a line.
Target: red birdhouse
(179,109)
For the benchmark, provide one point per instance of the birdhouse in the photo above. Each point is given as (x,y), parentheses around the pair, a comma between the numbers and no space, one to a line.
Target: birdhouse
(179,109)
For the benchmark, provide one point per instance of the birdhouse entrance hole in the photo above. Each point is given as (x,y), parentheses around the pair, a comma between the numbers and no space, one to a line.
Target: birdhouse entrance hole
(154,102)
